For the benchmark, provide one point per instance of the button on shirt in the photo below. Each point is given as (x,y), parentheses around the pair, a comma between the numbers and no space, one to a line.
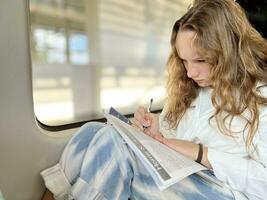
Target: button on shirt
(245,173)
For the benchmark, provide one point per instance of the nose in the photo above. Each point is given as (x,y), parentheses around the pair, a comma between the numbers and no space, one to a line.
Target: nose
(192,71)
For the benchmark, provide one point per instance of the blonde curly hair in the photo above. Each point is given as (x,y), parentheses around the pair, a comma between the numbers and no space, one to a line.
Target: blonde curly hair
(237,54)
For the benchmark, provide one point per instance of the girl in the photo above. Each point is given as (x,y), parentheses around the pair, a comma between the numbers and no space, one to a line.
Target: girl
(215,114)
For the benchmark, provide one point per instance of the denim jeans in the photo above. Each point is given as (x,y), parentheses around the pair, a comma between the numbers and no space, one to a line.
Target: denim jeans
(98,164)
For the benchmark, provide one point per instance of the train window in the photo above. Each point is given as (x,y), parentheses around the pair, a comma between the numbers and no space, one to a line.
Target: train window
(88,55)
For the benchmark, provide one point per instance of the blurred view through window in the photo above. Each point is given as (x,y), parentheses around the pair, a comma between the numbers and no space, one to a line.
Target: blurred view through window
(88,55)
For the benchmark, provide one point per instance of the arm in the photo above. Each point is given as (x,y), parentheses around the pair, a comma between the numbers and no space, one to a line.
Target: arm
(189,149)
(242,174)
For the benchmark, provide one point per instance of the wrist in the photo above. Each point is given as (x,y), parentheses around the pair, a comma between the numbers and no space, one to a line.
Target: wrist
(200,153)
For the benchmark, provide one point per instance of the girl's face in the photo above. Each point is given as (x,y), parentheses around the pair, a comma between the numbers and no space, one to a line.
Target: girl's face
(196,66)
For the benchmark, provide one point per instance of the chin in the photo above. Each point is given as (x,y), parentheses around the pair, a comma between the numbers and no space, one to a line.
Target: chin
(202,84)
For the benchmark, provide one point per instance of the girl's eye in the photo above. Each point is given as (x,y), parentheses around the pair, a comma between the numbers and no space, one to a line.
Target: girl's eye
(201,60)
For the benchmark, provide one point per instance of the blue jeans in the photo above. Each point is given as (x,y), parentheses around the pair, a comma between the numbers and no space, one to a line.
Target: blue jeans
(98,164)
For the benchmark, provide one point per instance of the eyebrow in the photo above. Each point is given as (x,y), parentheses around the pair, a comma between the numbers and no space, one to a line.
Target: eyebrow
(199,58)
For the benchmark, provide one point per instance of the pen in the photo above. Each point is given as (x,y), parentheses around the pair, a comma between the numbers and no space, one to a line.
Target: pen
(148,110)
(150,105)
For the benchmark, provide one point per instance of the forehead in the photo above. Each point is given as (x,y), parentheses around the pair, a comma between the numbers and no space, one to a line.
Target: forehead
(185,44)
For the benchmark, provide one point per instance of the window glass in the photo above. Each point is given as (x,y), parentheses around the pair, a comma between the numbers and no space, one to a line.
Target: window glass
(88,55)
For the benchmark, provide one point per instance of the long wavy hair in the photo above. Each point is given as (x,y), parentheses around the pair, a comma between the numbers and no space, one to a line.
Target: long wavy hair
(238,56)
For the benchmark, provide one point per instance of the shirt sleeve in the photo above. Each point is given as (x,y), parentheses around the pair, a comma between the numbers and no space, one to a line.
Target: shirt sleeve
(246,175)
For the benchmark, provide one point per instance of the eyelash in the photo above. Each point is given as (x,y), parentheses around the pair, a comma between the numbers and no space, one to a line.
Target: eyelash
(201,61)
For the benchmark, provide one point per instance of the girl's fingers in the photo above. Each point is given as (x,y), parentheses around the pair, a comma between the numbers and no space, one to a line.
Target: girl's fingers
(137,124)
(141,116)
(140,112)
(137,127)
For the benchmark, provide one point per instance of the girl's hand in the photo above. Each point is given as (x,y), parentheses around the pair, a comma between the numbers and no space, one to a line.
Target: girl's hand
(146,122)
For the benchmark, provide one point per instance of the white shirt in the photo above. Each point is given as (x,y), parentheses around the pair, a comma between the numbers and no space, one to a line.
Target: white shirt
(227,155)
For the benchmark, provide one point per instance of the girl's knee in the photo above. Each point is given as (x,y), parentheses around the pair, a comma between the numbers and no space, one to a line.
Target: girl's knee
(74,151)
(79,143)
(87,131)
(110,132)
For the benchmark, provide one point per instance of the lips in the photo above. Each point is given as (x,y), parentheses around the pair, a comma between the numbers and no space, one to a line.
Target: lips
(200,82)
